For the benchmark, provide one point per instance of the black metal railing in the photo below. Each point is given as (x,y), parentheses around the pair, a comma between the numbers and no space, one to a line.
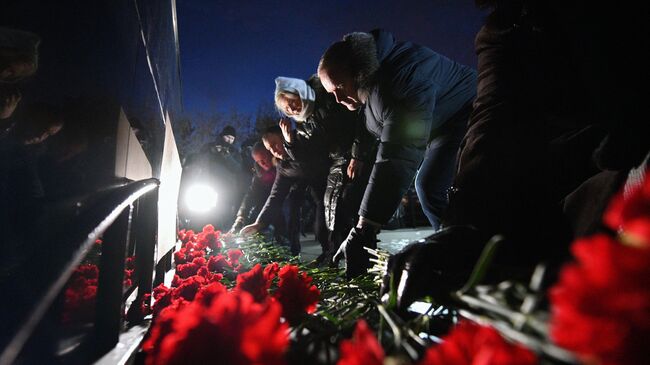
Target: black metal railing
(124,216)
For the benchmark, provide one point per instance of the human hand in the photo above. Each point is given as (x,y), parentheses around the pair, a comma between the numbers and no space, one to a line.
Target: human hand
(250,229)
(285,126)
(354,168)
(357,259)
(10,104)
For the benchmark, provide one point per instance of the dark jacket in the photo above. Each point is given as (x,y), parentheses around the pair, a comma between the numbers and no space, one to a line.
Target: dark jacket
(415,92)
(288,173)
(334,131)
(331,129)
(258,190)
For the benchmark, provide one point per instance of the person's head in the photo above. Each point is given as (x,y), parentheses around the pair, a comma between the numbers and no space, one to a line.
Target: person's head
(228,134)
(38,122)
(18,54)
(294,98)
(273,141)
(348,68)
(288,103)
(262,156)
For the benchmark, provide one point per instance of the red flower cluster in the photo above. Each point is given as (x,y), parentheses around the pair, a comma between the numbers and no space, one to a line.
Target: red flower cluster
(471,344)
(362,349)
(209,237)
(296,293)
(630,215)
(257,281)
(229,326)
(601,303)
(467,344)
(190,269)
(185,289)
(80,295)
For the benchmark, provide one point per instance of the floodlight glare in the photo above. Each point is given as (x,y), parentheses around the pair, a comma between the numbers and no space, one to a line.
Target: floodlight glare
(201,198)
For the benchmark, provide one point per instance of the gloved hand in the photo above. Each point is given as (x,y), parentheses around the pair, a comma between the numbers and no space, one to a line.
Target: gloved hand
(357,259)
(436,267)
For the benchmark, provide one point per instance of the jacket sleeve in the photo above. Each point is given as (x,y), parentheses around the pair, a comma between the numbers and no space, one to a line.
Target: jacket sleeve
(253,191)
(279,192)
(363,145)
(305,142)
(404,137)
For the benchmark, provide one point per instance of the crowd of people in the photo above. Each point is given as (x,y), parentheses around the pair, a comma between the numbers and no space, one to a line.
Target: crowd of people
(518,148)
(530,145)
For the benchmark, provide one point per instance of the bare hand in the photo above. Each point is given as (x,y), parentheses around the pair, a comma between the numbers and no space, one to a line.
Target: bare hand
(10,104)
(285,125)
(250,229)
(354,168)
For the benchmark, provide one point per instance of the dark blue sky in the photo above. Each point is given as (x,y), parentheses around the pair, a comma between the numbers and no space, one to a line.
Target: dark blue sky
(231,51)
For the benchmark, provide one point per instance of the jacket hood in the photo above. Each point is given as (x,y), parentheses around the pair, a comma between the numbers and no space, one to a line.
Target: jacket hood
(384,41)
(302,89)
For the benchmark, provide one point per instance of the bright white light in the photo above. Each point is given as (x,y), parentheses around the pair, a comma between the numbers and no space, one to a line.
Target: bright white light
(201,198)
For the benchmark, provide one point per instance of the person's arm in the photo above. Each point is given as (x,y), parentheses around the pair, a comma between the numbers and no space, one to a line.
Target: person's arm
(273,205)
(363,149)
(405,133)
(306,143)
(245,205)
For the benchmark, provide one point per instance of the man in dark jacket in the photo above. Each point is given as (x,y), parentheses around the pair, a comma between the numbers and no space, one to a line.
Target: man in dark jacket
(417,103)
(292,175)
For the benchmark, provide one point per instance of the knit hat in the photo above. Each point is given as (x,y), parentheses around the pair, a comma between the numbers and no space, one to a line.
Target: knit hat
(228,131)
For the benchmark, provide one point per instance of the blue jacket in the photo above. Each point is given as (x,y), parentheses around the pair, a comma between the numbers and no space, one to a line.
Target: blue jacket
(415,93)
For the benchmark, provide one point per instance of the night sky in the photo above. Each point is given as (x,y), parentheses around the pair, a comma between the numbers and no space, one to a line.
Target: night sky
(231,51)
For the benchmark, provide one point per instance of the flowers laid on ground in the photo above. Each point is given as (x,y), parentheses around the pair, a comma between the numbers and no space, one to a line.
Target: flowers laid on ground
(251,305)
(466,344)
(228,327)
(198,317)
(601,303)
(472,344)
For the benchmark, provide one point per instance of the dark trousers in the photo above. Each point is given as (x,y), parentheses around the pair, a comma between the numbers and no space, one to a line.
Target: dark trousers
(437,170)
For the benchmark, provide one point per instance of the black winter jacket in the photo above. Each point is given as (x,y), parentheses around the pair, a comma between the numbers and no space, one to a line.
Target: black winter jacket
(416,91)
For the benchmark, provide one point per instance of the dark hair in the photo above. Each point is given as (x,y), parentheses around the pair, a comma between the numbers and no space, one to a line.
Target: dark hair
(355,55)
(274,129)
(258,147)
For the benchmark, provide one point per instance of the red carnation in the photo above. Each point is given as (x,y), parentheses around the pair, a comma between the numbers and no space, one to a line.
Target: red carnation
(218,263)
(189,287)
(162,326)
(234,255)
(209,277)
(186,236)
(207,293)
(471,344)
(255,283)
(271,271)
(233,329)
(296,293)
(630,214)
(180,256)
(209,237)
(362,349)
(190,269)
(601,303)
